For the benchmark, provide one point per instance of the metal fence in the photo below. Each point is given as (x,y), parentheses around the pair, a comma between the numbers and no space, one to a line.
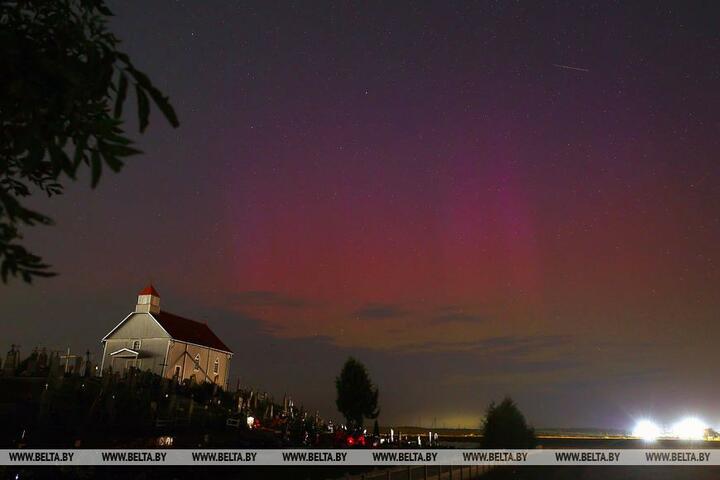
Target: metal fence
(424,472)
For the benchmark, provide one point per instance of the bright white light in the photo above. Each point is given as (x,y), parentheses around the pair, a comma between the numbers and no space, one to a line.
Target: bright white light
(689,429)
(647,430)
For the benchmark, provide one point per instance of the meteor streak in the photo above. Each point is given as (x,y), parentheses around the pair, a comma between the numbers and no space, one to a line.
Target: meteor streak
(568,67)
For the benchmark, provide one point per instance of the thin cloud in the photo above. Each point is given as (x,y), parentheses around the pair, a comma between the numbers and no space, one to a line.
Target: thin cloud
(455,314)
(372,311)
(508,344)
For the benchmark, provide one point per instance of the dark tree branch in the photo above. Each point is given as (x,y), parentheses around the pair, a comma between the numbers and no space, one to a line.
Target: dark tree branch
(62,90)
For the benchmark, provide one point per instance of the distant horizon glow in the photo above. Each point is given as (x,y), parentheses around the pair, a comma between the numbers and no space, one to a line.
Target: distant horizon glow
(647,430)
(689,428)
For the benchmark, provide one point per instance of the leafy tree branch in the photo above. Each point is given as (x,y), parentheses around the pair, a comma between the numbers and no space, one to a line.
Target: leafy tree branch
(63,87)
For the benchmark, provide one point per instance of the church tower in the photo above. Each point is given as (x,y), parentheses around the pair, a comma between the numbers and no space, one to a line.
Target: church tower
(148,300)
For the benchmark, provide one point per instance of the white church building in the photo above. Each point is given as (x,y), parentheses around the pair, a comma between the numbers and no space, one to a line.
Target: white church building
(166,344)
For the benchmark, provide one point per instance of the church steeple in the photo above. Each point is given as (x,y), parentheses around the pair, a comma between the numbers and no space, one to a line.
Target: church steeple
(148,300)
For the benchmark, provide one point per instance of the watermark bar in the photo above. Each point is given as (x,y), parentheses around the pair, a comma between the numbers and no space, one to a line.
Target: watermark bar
(300,457)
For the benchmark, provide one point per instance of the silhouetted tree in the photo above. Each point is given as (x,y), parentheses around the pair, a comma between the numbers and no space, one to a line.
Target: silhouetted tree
(505,427)
(62,90)
(357,397)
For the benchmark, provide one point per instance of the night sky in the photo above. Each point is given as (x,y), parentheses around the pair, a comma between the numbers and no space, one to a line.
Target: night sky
(428,187)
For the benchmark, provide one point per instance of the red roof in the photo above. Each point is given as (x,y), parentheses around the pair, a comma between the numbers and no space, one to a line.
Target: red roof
(187,330)
(149,290)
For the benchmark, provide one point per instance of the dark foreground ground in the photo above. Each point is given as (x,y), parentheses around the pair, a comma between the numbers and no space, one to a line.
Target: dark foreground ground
(291,473)
(609,473)
(327,473)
